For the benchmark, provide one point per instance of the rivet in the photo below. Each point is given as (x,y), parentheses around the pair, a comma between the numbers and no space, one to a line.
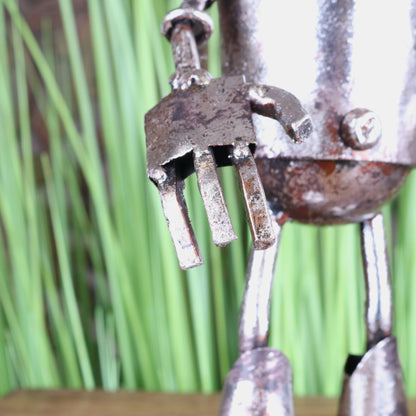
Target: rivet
(361,129)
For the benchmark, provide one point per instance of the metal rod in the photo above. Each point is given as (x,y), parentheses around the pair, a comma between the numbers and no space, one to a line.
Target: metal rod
(184,47)
(379,311)
(255,308)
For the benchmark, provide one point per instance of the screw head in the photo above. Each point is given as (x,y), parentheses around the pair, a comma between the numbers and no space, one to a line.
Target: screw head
(361,129)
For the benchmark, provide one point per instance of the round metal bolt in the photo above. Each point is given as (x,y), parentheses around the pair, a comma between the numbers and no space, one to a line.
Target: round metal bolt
(200,23)
(360,129)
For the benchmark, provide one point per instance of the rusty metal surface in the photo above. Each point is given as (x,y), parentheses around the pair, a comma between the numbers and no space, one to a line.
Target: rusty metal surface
(329,192)
(200,23)
(259,383)
(343,59)
(187,62)
(204,124)
(200,127)
(184,48)
(361,129)
(254,198)
(361,145)
(196,119)
(182,131)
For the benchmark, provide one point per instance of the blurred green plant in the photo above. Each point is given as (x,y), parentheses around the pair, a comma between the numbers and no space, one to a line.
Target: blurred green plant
(91,294)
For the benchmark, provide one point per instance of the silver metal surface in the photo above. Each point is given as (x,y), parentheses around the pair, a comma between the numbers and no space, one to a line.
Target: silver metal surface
(184,49)
(186,57)
(200,23)
(258,384)
(283,106)
(255,308)
(335,67)
(373,383)
(207,123)
(334,56)
(216,208)
(375,386)
(379,308)
(184,130)
(356,159)
(199,127)
(254,197)
(352,65)
(176,213)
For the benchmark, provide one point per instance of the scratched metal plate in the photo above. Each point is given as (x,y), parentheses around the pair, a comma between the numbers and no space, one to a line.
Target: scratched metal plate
(196,119)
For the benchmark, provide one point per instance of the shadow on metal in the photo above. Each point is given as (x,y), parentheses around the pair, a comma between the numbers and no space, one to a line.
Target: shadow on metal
(374,384)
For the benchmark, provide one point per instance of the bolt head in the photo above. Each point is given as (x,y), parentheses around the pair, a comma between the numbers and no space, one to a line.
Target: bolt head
(361,129)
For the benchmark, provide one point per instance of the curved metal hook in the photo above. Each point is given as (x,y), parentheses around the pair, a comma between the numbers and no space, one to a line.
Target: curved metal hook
(283,106)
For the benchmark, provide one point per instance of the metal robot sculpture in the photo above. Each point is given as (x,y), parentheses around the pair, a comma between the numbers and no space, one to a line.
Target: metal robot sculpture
(351,67)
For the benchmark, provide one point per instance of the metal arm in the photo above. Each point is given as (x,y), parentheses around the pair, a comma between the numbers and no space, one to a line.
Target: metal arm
(283,106)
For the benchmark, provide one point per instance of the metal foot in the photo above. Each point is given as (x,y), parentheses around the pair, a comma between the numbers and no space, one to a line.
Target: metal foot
(258,384)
